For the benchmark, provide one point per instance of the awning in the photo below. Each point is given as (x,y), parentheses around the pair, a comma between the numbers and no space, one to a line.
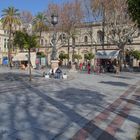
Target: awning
(24,57)
(107,54)
(20,57)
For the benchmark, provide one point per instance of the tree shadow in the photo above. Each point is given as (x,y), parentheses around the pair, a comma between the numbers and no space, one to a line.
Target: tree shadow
(27,111)
(122,77)
(122,84)
(70,113)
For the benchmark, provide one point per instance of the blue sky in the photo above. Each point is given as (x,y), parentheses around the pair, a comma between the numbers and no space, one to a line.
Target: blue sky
(33,6)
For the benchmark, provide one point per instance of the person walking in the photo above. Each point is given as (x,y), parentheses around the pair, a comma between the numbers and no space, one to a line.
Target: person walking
(89,68)
(81,66)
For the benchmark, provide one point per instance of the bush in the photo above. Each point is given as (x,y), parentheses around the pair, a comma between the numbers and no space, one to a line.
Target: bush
(136,54)
(138,134)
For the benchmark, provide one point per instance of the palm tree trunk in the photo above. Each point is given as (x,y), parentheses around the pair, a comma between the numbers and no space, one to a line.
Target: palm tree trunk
(9,47)
(29,63)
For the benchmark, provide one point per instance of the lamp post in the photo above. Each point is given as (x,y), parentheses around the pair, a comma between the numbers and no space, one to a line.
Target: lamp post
(54,21)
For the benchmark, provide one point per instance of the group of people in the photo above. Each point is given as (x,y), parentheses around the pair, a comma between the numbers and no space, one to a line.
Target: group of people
(87,66)
(55,73)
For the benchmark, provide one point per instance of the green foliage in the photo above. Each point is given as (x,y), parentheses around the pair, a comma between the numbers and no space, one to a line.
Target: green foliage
(10,17)
(19,39)
(89,56)
(77,56)
(138,134)
(41,54)
(40,22)
(63,56)
(25,41)
(134,10)
(136,54)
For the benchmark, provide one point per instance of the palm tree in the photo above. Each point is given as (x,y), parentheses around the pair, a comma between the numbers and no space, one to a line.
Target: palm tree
(25,41)
(40,23)
(10,19)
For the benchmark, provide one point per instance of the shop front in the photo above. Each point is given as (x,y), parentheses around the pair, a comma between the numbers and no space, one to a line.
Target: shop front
(21,59)
(107,60)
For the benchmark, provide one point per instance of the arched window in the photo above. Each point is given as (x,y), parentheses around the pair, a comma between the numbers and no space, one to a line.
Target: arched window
(100,36)
(62,37)
(86,39)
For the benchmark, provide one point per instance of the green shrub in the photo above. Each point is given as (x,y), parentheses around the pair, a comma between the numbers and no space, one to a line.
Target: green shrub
(138,134)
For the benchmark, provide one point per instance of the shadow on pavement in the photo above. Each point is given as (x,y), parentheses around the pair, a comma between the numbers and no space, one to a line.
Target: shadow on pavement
(34,122)
(122,77)
(115,83)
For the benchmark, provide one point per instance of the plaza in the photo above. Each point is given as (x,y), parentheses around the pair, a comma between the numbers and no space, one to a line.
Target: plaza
(82,107)
(70,70)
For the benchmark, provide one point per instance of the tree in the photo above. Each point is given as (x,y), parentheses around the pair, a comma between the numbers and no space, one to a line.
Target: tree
(40,23)
(89,56)
(119,29)
(26,17)
(77,56)
(28,42)
(40,54)
(135,53)
(63,56)
(70,16)
(10,20)
(134,10)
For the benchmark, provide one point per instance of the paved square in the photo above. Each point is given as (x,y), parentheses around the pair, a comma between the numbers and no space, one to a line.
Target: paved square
(83,107)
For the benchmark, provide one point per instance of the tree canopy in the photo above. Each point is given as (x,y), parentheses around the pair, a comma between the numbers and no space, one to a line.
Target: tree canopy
(134,10)
(28,42)
(89,56)
(25,41)
(136,54)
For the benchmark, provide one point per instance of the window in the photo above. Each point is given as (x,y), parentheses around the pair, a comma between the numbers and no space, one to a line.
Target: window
(100,36)
(63,37)
(42,42)
(73,40)
(86,39)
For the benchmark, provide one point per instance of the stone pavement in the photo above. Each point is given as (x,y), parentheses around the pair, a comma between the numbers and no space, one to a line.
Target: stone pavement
(84,107)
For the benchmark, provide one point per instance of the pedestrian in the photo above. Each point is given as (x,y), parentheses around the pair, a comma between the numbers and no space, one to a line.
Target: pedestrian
(89,68)
(80,66)
(58,73)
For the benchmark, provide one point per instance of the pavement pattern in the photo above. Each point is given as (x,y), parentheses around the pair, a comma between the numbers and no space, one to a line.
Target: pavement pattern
(83,107)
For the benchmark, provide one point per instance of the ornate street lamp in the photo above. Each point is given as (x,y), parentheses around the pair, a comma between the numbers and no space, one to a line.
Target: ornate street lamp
(54,21)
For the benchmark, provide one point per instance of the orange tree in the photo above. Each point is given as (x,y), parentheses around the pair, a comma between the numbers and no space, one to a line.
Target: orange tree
(25,41)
